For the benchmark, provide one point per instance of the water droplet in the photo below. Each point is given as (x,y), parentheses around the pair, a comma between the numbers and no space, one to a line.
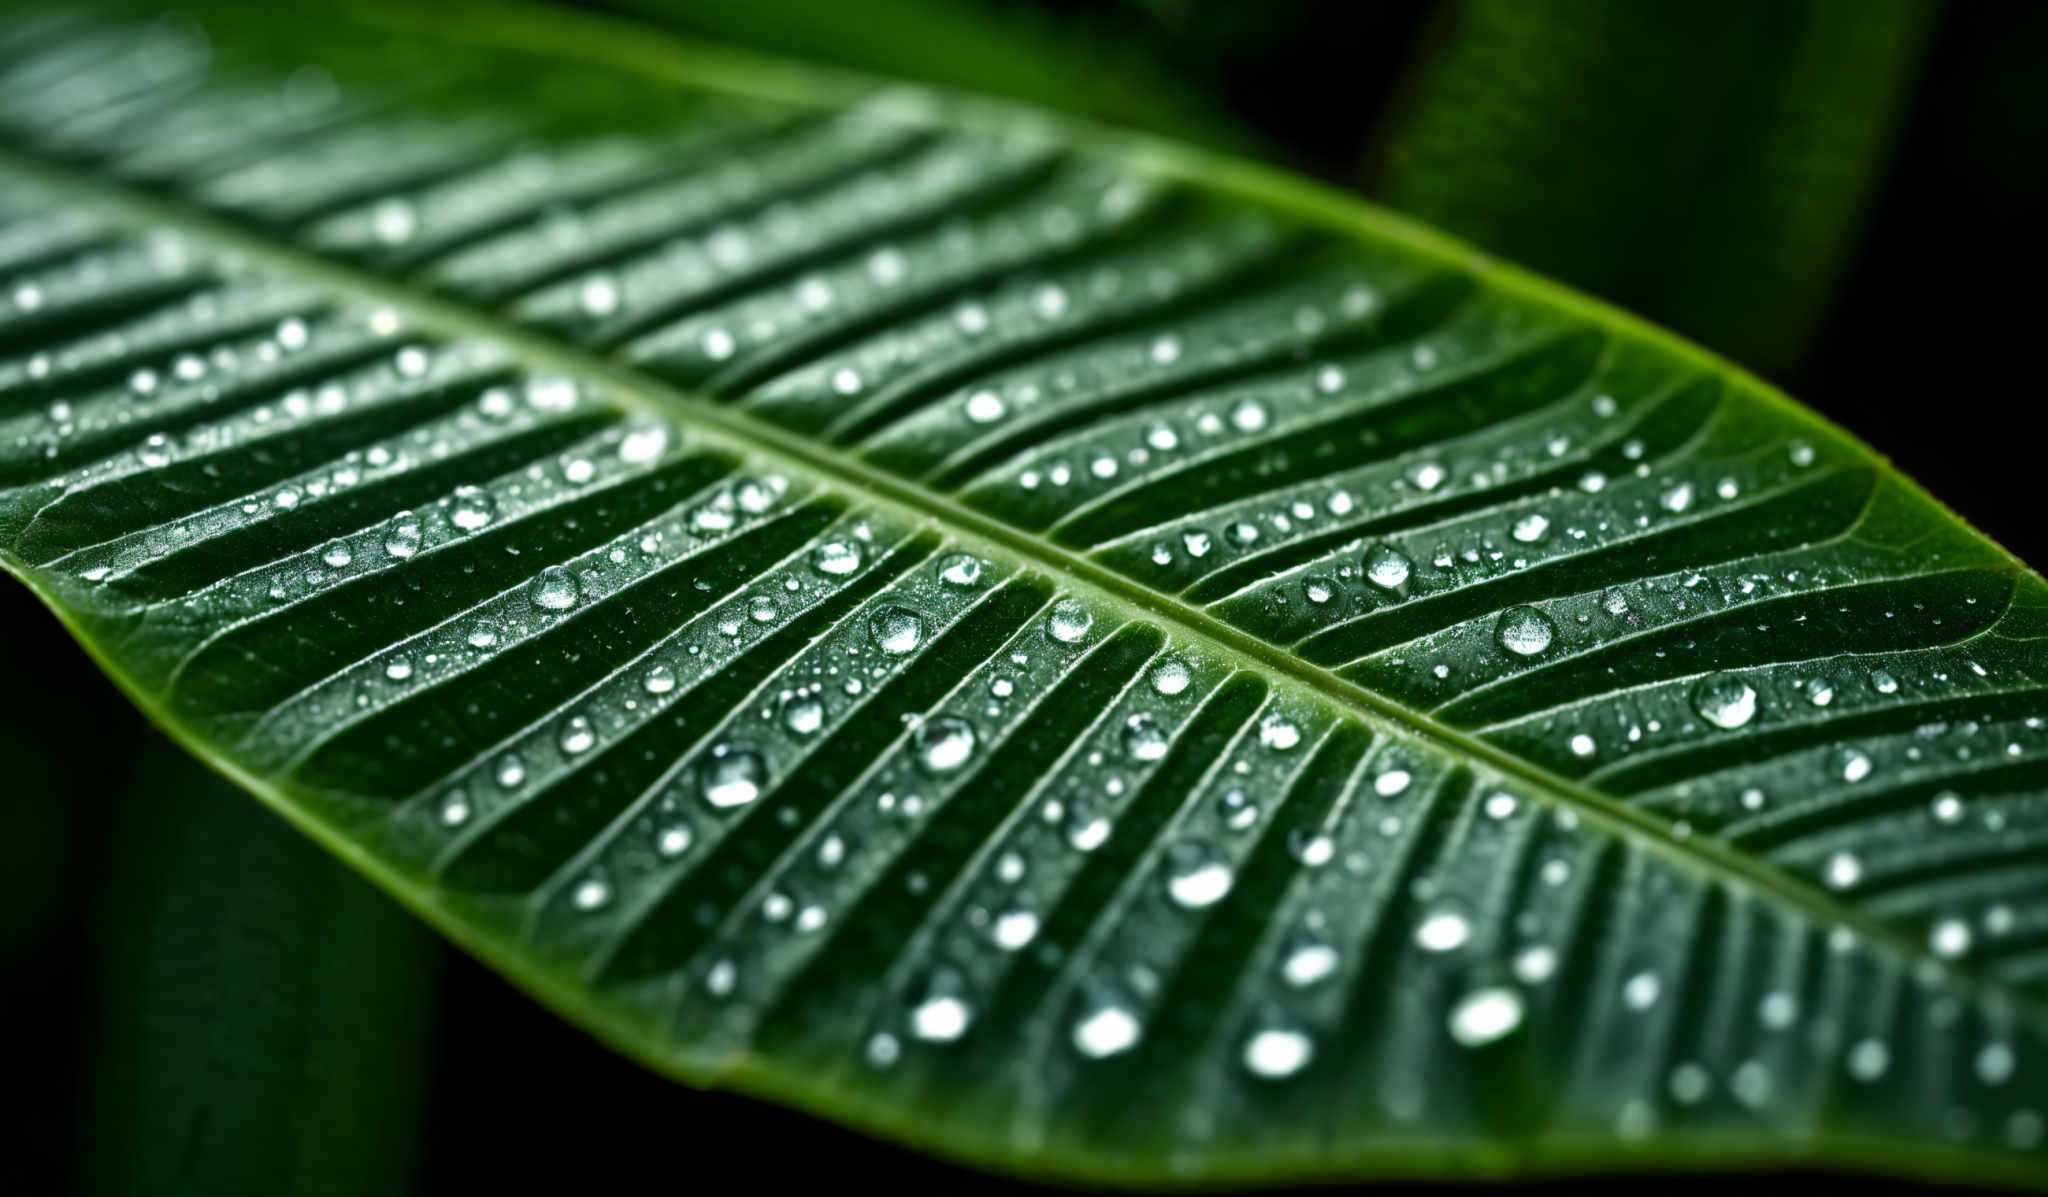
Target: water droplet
(552,589)
(802,713)
(1309,961)
(1485,1016)
(1535,964)
(1843,870)
(402,536)
(473,508)
(836,558)
(1883,683)
(731,775)
(1170,676)
(1819,691)
(1278,732)
(960,569)
(592,894)
(1013,929)
(1641,991)
(1676,499)
(1949,938)
(511,771)
(986,407)
(1947,807)
(577,735)
(398,669)
(1443,931)
(1724,700)
(944,1014)
(1868,1059)
(1144,740)
(1387,567)
(1106,1031)
(1276,1053)
(1583,745)
(1524,631)
(1196,543)
(1197,873)
(1531,528)
(943,745)
(336,554)
(1069,621)
(1391,782)
(1852,764)
(895,630)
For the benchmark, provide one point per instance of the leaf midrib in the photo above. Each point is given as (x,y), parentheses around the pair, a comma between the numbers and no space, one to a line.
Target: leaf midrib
(633,390)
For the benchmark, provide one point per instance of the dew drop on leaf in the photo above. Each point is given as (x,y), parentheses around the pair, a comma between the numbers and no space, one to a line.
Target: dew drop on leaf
(731,775)
(1524,631)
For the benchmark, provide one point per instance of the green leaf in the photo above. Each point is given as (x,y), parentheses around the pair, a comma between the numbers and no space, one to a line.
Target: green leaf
(1704,163)
(262,1011)
(1074,653)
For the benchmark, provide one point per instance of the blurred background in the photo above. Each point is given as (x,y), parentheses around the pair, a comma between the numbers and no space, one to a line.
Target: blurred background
(1845,196)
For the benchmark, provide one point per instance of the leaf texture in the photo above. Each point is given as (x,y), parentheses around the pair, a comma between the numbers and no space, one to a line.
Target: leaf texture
(1075,654)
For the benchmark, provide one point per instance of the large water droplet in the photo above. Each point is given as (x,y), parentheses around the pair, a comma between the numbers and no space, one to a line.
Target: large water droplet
(1197,873)
(1485,1016)
(473,508)
(402,535)
(802,713)
(1278,1052)
(960,569)
(1069,621)
(895,630)
(1524,631)
(1106,1031)
(1387,567)
(1724,700)
(944,1013)
(836,558)
(1170,676)
(943,745)
(553,589)
(1443,931)
(731,775)
(1144,740)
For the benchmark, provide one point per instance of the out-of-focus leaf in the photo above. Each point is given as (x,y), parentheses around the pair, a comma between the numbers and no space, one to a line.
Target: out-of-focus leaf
(1705,162)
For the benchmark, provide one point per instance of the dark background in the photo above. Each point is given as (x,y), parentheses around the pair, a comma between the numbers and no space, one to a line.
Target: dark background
(1919,330)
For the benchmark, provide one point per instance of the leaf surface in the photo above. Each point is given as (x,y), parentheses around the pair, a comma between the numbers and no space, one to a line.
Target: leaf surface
(1070,652)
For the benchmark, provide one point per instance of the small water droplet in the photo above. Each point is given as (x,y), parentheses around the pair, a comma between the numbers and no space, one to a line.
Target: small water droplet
(577,735)
(731,775)
(1442,931)
(1387,567)
(1106,1031)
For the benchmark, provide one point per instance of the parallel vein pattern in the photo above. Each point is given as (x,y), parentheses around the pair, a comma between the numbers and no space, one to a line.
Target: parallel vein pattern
(777,578)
